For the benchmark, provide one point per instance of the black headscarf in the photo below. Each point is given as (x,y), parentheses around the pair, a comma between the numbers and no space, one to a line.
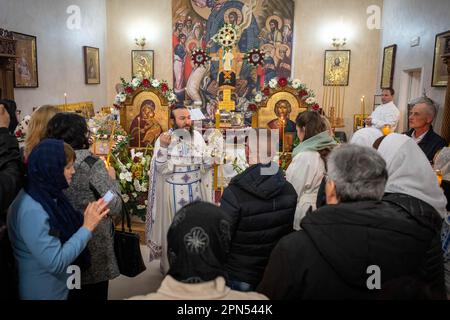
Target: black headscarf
(45,184)
(198,243)
(11,107)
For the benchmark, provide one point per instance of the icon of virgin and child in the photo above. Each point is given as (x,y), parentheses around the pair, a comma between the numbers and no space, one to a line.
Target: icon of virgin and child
(145,129)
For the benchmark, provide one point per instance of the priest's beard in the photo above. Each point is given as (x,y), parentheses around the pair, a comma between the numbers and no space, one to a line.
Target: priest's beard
(190,129)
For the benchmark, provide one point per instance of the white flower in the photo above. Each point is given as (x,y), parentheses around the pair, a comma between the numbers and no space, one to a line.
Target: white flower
(172,97)
(128,165)
(296,84)
(137,186)
(258,98)
(125,198)
(273,83)
(310,100)
(146,202)
(140,207)
(143,161)
(155,83)
(139,154)
(121,97)
(134,194)
(135,83)
(144,187)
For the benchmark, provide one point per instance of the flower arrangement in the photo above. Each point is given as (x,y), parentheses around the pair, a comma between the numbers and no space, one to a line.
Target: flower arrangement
(101,128)
(132,168)
(22,128)
(275,84)
(139,83)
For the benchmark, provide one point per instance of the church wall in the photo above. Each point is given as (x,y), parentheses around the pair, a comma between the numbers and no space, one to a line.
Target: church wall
(315,22)
(60,50)
(134,19)
(404,20)
(152,18)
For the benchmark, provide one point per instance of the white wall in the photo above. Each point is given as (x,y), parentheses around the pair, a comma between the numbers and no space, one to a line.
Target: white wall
(404,20)
(129,19)
(60,53)
(315,21)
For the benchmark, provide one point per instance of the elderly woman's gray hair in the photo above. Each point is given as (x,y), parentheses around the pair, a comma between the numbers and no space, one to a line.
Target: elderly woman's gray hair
(358,172)
(431,105)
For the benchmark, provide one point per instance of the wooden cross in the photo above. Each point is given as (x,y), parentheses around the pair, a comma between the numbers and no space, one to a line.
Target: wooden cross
(226,102)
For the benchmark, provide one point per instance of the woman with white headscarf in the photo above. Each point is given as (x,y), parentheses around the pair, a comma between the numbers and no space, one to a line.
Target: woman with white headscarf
(366,136)
(410,172)
(413,187)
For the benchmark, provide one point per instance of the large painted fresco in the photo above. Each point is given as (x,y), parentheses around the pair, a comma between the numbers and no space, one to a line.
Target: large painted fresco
(263,24)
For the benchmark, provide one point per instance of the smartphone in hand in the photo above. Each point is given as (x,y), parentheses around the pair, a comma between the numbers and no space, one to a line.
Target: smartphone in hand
(109,196)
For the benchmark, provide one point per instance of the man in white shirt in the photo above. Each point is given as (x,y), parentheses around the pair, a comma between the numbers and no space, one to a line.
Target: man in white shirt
(386,114)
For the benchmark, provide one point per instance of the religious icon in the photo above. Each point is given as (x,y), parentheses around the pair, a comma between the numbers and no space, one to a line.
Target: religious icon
(142,63)
(92,65)
(26,69)
(145,129)
(283,122)
(337,68)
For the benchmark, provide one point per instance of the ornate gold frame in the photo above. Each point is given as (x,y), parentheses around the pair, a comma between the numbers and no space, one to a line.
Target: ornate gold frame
(132,106)
(266,111)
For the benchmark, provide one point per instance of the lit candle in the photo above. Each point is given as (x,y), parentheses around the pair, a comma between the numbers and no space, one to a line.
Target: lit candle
(215,177)
(65,101)
(111,141)
(139,132)
(364,106)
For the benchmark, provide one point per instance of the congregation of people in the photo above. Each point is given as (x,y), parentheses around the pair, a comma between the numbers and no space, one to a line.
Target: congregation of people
(316,231)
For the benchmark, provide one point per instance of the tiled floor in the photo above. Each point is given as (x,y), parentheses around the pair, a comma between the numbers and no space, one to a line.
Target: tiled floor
(147,282)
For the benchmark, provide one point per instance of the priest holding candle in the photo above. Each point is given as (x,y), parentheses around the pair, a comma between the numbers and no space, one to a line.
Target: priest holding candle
(385,115)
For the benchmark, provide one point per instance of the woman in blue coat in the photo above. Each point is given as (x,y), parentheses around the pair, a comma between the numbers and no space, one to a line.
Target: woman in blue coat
(46,233)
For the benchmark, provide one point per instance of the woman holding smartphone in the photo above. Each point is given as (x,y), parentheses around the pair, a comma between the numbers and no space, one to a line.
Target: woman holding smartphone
(91,181)
(47,234)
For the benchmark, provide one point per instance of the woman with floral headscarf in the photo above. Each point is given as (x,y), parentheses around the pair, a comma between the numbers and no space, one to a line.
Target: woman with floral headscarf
(198,245)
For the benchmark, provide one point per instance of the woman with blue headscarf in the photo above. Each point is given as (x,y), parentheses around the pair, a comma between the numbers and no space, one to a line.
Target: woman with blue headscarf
(47,234)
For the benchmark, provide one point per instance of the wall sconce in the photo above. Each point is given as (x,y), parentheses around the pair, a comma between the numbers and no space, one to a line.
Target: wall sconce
(140,42)
(338,42)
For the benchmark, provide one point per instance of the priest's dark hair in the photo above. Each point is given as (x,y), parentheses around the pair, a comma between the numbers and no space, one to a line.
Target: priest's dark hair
(70,127)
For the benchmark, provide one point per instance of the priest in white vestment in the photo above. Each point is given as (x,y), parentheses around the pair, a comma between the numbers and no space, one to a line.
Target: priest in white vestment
(385,114)
(180,173)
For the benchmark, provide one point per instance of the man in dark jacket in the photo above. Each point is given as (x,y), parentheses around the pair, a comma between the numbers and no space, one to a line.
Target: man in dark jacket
(261,204)
(358,247)
(10,184)
(420,119)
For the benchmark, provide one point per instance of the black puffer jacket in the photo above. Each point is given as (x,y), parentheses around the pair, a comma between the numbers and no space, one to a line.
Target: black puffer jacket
(11,179)
(262,209)
(329,258)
